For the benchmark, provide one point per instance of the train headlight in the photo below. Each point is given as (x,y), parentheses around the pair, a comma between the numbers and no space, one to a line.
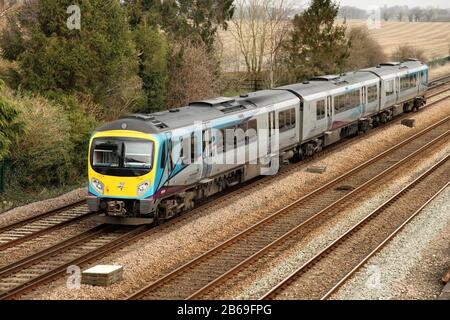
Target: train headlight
(98,186)
(143,188)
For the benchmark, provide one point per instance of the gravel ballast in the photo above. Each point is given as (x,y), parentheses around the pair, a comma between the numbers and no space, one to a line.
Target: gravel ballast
(37,208)
(412,264)
(161,252)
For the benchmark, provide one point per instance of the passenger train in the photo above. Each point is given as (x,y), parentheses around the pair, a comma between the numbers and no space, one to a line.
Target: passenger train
(147,168)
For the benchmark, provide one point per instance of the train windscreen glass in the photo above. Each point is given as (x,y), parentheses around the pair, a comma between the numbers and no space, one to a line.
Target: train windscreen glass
(122,154)
(138,154)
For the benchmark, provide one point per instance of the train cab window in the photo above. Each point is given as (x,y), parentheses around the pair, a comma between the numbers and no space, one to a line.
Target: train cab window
(138,154)
(320,112)
(372,93)
(286,120)
(389,88)
(163,156)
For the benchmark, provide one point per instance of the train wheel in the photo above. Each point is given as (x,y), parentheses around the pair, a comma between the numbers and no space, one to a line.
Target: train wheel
(158,218)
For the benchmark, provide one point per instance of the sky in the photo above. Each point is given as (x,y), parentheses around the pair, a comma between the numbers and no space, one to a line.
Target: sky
(410,3)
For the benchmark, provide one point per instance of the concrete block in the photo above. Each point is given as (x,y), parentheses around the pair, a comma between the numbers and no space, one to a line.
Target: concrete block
(409,123)
(317,169)
(102,275)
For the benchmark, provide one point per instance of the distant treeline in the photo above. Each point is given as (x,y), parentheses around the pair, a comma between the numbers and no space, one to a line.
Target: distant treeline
(399,13)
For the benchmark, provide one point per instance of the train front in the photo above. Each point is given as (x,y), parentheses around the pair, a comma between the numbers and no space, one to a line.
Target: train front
(121,170)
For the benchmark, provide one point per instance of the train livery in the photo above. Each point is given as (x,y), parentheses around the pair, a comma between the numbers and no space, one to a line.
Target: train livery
(147,168)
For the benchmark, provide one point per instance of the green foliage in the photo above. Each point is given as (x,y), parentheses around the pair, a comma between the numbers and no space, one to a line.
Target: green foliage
(10,125)
(316,46)
(95,60)
(184,19)
(153,50)
(52,150)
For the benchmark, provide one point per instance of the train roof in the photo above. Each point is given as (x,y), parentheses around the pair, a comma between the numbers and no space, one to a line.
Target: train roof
(198,111)
(390,68)
(327,83)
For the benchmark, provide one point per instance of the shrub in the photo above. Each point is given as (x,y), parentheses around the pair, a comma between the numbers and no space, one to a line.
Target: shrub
(192,74)
(406,51)
(11,126)
(41,157)
(364,50)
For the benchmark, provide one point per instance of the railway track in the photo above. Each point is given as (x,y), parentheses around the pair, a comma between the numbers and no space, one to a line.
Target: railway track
(48,264)
(191,279)
(342,258)
(435,83)
(25,230)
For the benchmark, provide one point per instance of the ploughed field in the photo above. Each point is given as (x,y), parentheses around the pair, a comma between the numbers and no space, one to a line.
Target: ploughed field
(432,37)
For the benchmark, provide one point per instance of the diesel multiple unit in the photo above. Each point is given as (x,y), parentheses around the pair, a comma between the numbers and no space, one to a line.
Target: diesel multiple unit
(147,168)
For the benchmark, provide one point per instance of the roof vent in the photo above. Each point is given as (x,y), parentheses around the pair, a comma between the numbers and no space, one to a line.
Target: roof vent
(174,110)
(213,102)
(140,116)
(390,64)
(244,95)
(305,82)
(326,78)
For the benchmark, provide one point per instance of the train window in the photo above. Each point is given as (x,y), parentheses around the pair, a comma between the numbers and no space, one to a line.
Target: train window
(347,101)
(251,134)
(320,105)
(286,120)
(292,124)
(163,156)
(389,87)
(281,120)
(252,124)
(409,81)
(372,93)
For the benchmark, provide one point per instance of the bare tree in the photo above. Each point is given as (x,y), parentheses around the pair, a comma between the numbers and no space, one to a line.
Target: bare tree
(260,28)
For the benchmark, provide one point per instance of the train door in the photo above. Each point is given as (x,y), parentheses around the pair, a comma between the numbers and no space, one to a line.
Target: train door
(363,100)
(272,132)
(397,89)
(207,148)
(329,112)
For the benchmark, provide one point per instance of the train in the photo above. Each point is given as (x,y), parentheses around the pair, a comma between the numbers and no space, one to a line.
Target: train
(148,168)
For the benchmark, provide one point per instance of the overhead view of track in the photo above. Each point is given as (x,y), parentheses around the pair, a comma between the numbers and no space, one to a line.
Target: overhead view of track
(194,277)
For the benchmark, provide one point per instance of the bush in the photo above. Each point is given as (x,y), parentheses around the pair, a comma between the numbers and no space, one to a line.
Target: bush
(192,74)
(364,50)
(98,60)
(52,151)
(10,124)
(406,51)
(153,52)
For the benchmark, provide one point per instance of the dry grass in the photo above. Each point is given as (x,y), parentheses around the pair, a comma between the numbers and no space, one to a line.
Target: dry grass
(432,37)
(440,71)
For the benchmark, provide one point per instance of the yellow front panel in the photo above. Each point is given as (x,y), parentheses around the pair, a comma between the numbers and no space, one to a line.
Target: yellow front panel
(125,187)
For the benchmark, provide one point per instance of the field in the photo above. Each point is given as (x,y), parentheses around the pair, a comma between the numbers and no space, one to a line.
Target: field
(432,37)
